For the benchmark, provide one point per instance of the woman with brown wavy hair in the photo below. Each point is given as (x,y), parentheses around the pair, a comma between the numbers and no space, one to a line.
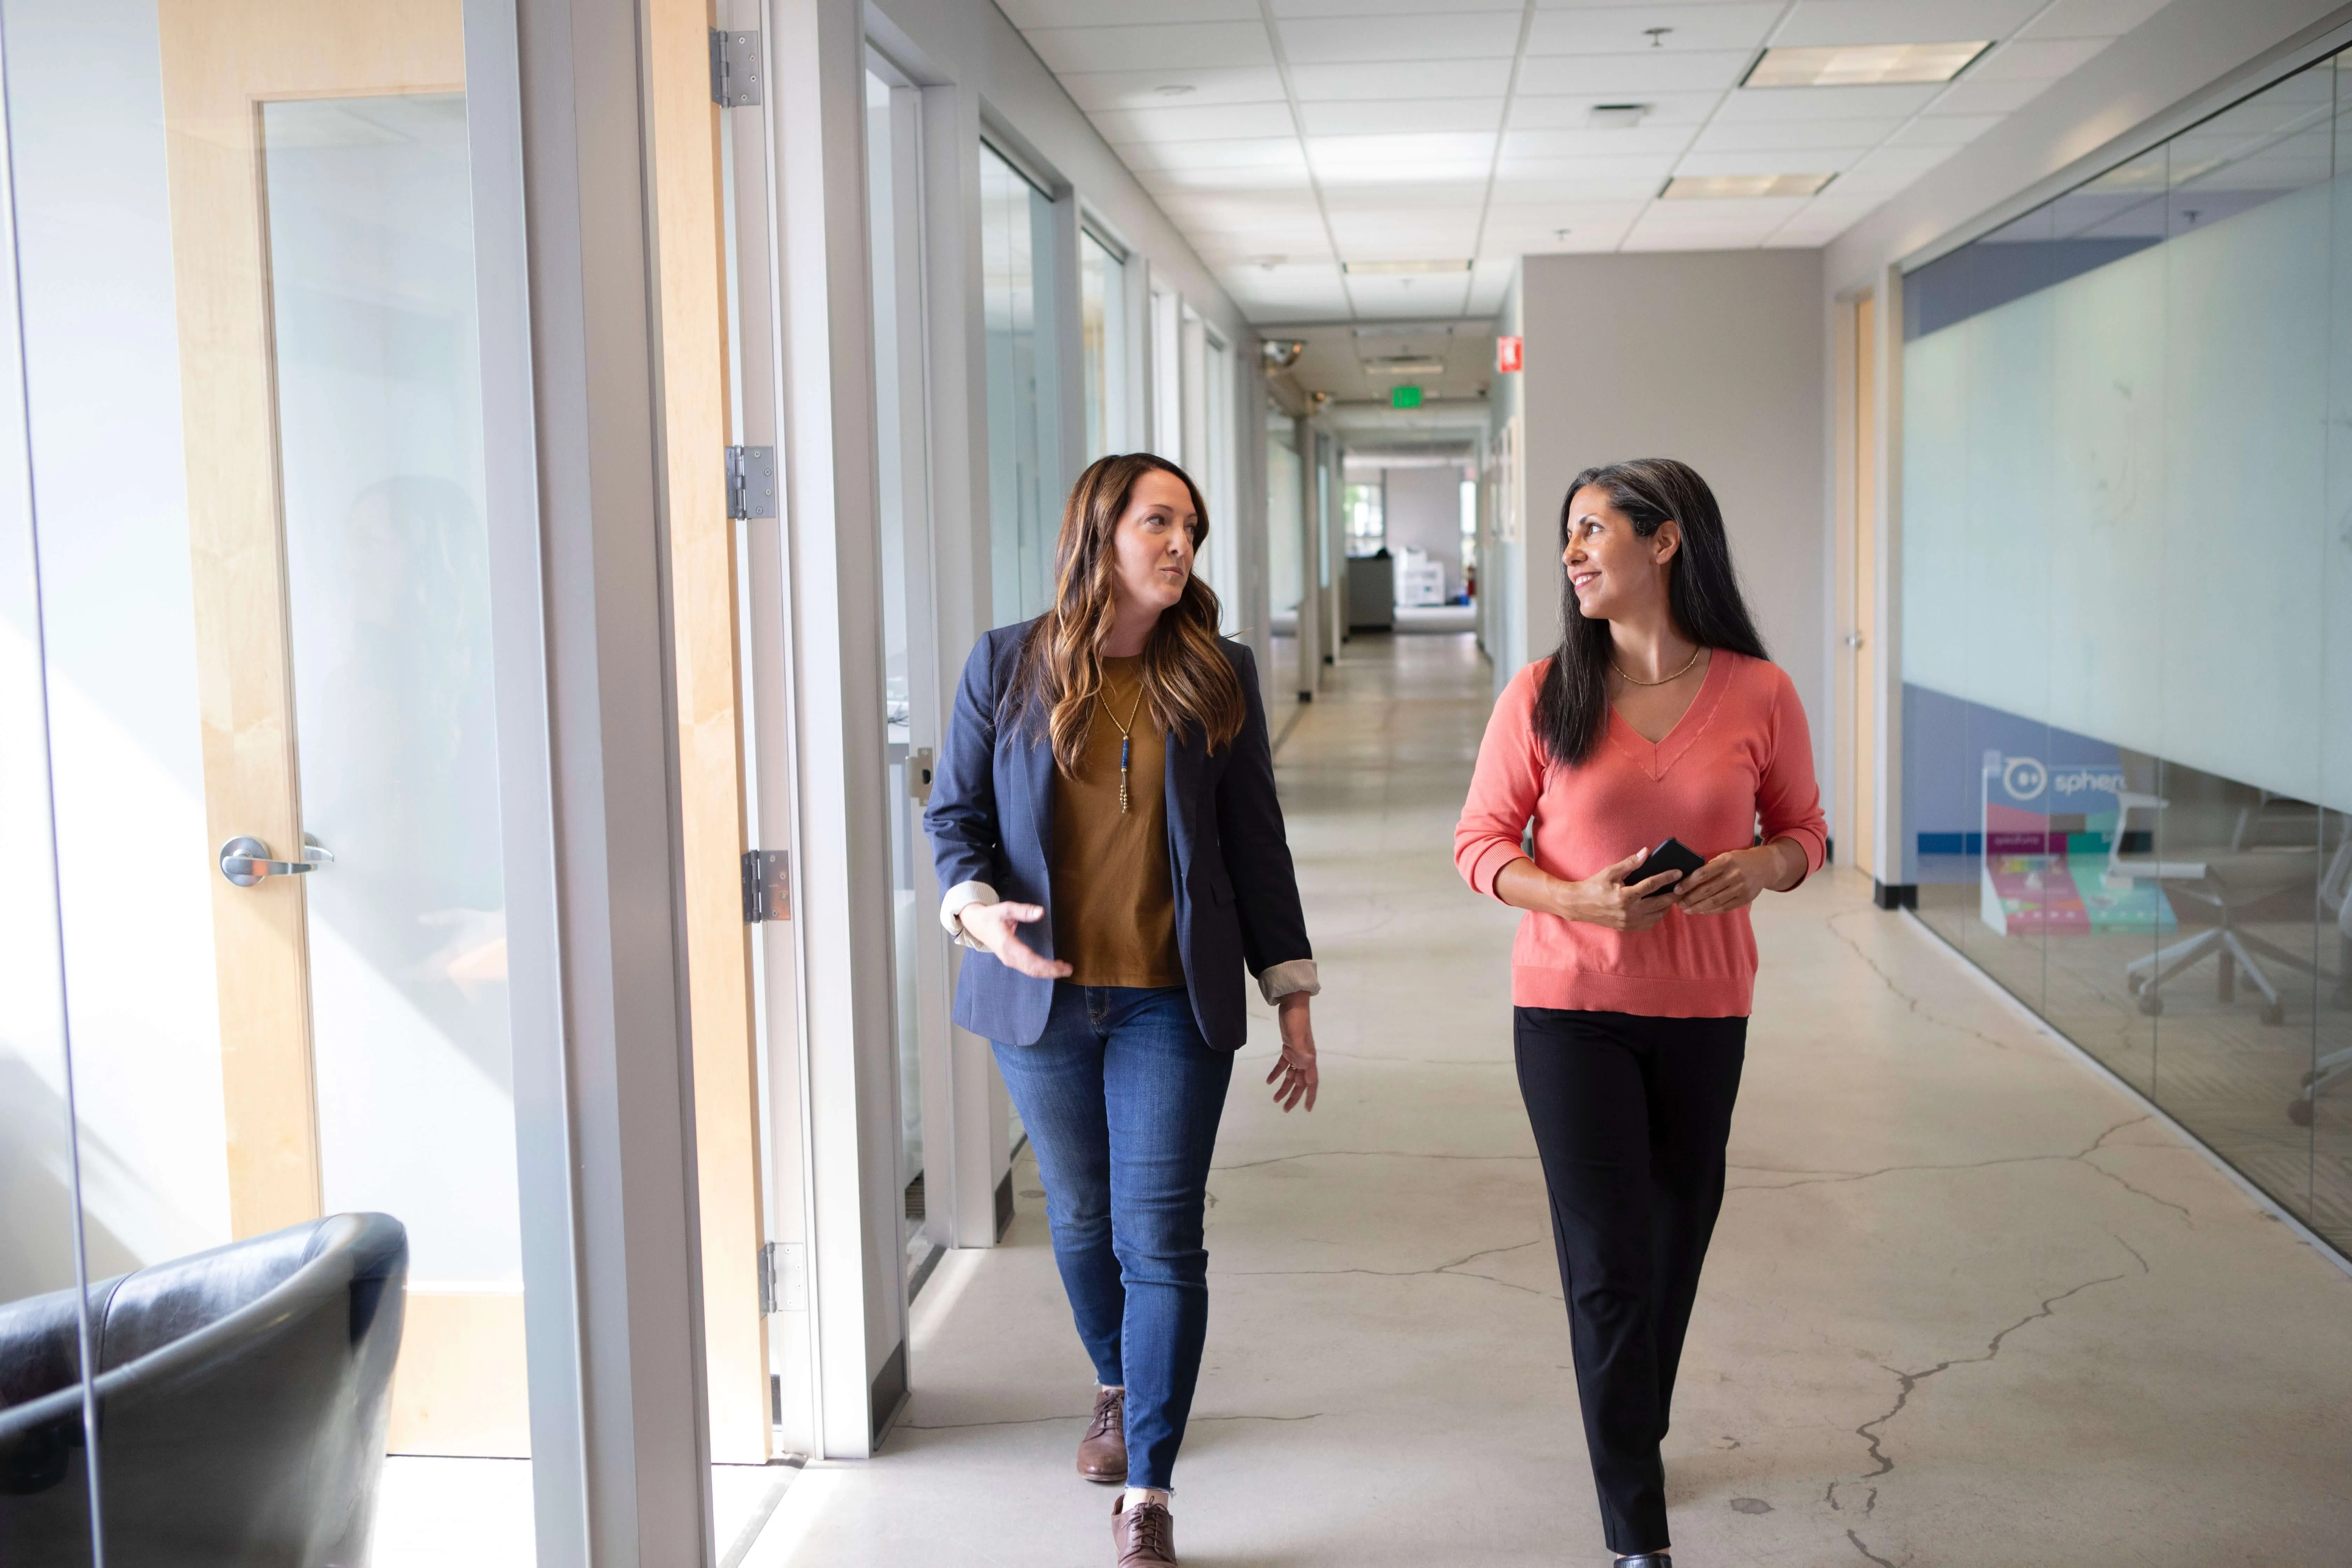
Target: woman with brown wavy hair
(1107,782)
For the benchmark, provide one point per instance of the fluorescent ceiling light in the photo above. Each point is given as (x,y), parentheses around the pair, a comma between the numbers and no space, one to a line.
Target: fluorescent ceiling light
(1362,268)
(1861,65)
(1688,187)
(1404,364)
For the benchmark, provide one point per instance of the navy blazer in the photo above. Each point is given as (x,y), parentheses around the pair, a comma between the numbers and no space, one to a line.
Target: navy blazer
(991,821)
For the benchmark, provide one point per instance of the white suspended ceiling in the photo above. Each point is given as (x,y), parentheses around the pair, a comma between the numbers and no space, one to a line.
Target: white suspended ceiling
(1286,138)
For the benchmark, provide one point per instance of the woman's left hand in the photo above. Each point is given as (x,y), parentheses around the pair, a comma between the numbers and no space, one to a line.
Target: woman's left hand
(1737,878)
(1294,1076)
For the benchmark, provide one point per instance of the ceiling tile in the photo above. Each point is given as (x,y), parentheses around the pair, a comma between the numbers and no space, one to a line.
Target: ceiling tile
(1891,168)
(1585,143)
(1902,21)
(1425,195)
(1092,90)
(2090,19)
(1476,35)
(1944,130)
(1290,179)
(1620,29)
(1258,152)
(1191,122)
(1431,79)
(1971,96)
(1402,298)
(1757,135)
(1725,211)
(2035,60)
(1369,117)
(1162,46)
(1027,14)
(1404,156)
(1632,75)
(1580,187)
(1754,103)
(1516,167)
(1529,112)
(1287,9)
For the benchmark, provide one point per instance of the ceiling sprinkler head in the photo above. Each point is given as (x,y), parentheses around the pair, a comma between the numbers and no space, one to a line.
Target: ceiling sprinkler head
(1268,263)
(1657,36)
(1173,89)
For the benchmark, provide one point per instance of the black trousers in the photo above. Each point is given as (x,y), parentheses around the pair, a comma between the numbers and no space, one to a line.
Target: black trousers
(1631,1117)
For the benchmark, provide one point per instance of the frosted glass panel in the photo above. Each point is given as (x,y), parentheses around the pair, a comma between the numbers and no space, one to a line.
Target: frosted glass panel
(370,252)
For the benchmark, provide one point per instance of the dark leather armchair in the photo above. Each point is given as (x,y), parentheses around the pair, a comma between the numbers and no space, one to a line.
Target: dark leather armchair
(243,1395)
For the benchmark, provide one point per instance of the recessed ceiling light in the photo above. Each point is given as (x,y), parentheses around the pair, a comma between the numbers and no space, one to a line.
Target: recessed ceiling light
(1687,187)
(1862,64)
(1173,89)
(1617,116)
(1394,268)
(1404,364)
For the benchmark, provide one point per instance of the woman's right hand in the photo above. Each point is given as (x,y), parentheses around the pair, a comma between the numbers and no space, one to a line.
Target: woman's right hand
(992,926)
(1607,899)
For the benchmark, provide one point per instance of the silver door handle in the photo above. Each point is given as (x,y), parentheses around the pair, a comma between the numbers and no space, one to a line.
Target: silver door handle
(246,861)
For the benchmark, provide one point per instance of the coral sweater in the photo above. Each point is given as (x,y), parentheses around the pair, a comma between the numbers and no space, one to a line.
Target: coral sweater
(1739,755)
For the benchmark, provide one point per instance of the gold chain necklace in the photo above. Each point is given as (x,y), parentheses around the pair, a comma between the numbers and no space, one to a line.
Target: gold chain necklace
(1126,736)
(1669,681)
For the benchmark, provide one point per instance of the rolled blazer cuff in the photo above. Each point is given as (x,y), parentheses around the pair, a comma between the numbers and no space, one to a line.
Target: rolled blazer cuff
(1282,980)
(960,897)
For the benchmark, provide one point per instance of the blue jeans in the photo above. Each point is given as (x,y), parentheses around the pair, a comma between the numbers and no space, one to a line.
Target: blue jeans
(1120,1097)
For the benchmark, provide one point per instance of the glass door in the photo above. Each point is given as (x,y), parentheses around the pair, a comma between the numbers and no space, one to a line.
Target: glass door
(247,293)
(911,659)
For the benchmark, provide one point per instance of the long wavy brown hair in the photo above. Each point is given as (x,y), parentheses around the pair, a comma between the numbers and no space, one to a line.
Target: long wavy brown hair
(1189,684)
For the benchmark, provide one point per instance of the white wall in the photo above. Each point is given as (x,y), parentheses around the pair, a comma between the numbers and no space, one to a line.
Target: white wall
(1712,357)
(94,236)
(1423,511)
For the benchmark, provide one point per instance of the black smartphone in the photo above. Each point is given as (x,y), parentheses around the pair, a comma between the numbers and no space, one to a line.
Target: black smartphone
(1674,854)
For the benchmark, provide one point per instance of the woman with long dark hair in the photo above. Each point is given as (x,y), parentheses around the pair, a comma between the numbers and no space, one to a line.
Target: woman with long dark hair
(1658,717)
(1108,782)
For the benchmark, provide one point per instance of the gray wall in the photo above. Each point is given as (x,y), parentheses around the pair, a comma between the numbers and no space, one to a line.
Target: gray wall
(1713,357)
(1423,511)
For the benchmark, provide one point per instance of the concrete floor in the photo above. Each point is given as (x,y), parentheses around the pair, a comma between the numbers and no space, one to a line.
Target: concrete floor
(1966,1305)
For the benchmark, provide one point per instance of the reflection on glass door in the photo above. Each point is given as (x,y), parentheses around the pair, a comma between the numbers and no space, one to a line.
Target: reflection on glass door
(371,278)
(894,213)
(1017,239)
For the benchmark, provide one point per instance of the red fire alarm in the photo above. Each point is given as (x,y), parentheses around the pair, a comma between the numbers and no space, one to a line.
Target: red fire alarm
(1509,354)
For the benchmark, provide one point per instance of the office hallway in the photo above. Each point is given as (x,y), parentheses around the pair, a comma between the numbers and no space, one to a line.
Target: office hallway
(1966,1303)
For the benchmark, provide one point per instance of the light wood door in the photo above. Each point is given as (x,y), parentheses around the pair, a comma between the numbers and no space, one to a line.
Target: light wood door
(322,261)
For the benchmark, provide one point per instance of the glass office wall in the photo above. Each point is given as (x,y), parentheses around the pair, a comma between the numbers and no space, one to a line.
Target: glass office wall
(1222,565)
(255,470)
(1102,326)
(1285,522)
(1025,459)
(2128,626)
(894,219)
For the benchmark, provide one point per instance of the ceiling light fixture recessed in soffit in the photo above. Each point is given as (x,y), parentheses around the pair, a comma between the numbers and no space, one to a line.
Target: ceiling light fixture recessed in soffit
(1862,64)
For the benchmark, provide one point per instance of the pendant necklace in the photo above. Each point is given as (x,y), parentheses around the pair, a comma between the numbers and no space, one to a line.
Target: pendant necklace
(1126,737)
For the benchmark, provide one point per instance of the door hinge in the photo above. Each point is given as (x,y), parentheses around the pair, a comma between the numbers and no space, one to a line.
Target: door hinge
(750,481)
(767,884)
(734,68)
(784,1278)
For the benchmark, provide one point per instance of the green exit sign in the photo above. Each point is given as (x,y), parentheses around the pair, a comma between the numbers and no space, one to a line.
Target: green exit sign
(1405,397)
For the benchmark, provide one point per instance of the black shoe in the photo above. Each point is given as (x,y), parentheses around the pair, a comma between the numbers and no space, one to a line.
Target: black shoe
(1646,1560)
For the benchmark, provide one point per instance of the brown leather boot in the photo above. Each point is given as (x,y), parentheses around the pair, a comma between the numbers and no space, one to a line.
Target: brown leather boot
(1144,1536)
(1102,1452)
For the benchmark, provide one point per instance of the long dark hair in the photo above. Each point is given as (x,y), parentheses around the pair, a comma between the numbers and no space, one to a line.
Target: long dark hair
(1702,595)
(1189,684)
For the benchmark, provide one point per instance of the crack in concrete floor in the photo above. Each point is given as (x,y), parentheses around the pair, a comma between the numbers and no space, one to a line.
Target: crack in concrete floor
(1872,1432)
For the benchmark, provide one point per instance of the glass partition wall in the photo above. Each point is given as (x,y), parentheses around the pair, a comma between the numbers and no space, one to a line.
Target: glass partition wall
(1024,456)
(1102,328)
(254,466)
(2128,626)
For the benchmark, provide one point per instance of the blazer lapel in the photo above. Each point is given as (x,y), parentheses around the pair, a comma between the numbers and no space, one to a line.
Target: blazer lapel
(1184,773)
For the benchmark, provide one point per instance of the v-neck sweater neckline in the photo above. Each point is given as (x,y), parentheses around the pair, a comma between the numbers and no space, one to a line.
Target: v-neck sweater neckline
(1654,757)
